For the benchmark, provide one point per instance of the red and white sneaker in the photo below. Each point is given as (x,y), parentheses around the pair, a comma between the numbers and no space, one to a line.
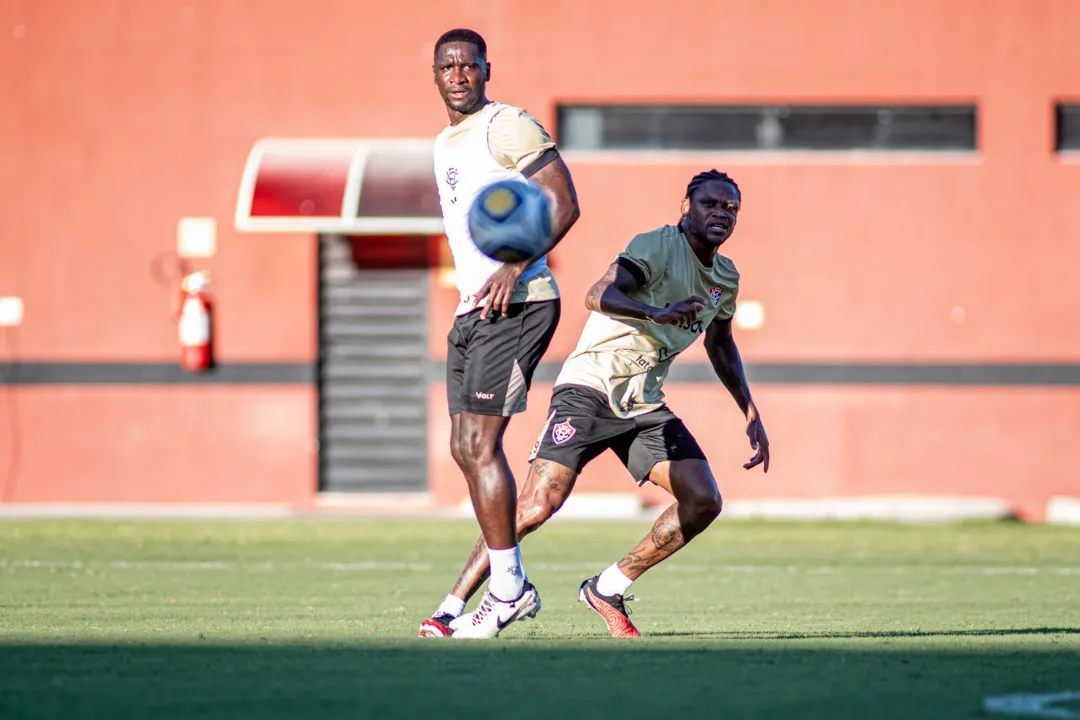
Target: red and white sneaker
(438,625)
(611,607)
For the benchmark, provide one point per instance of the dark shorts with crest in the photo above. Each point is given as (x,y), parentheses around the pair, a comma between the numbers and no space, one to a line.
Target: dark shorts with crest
(581,425)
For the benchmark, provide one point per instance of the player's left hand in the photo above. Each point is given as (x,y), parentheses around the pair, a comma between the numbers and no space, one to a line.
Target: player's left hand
(758,439)
(500,288)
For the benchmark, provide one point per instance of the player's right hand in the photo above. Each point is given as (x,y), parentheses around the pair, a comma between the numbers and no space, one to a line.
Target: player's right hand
(499,288)
(683,312)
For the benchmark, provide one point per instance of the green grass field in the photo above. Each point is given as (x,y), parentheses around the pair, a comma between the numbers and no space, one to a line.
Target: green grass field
(316,619)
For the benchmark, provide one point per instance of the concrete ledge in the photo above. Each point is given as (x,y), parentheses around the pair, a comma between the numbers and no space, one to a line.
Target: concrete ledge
(365,501)
(896,508)
(146,510)
(1063,510)
(581,506)
(402,505)
(590,506)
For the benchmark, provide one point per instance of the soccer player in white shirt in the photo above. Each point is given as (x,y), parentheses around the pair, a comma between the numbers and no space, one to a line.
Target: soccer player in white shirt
(505,320)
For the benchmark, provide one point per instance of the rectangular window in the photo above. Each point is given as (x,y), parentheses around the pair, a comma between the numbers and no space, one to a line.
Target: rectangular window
(1068,127)
(767,127)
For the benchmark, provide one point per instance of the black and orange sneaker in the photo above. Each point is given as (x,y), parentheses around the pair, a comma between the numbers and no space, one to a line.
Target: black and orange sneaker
(611,607)
(437,625)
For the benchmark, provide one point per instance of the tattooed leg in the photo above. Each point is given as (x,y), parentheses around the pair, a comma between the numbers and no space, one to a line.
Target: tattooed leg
(546,489)
(475,572)
(697,503)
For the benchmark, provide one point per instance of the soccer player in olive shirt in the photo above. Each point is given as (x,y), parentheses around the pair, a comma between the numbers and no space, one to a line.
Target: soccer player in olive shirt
(668,287)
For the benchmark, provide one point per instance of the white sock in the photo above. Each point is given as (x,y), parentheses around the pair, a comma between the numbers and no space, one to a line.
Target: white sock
(613,582)
(451,606)
(507,573)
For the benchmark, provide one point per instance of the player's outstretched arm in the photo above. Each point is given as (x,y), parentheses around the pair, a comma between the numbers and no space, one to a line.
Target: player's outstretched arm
(728,365)
(609,296)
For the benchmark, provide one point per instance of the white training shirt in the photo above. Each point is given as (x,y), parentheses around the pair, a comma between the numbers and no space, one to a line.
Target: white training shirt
(464,165)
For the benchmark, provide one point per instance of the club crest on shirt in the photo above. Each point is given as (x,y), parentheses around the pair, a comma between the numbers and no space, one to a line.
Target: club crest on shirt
(451,180)
(715,294)
(563,432)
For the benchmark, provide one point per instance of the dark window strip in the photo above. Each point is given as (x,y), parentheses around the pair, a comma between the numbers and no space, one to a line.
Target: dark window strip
(1067,127)
(151,373)
(791,373)
(767,127)
(794,373)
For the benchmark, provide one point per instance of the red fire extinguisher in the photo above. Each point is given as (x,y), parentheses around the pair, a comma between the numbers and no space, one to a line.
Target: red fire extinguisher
(196,323)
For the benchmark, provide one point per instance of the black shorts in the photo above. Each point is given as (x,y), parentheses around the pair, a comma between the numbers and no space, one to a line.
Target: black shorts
(581,425)
(490,363)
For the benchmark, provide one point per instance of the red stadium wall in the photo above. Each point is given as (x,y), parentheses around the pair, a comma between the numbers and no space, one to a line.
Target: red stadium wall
(121,117)
(164,444)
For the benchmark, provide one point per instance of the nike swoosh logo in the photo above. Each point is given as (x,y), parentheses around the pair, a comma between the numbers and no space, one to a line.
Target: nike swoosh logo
(500,624)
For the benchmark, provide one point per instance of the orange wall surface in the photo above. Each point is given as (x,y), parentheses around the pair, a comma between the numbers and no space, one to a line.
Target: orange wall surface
(162,444)
(120,117)
(836,442)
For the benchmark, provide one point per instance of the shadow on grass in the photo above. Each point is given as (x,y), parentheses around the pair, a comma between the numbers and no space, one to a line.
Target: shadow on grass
(520,679)
(752,635)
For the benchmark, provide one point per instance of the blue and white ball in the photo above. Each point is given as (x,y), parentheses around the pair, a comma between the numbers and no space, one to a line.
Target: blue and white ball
(510,221)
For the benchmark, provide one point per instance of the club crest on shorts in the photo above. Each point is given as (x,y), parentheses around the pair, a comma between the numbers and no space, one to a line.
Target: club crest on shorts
(563,432)
(715,294)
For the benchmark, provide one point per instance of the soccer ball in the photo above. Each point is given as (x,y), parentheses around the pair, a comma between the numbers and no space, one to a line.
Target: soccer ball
(510,221)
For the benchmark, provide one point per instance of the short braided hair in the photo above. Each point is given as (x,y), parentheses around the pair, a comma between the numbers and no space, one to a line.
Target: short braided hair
(707,176)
